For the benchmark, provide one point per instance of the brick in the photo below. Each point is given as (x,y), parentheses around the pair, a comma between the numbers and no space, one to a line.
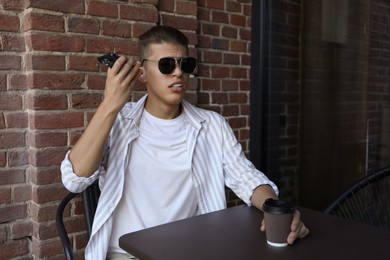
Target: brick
(3,233)
(241,98)
(13,212)
(43,213)
(52,249)
(47,102)
(219,98)
(45,62)
(229,58)
(139,29)
(168,6)
(18,82)
(212,57)
(81,241)
(246,60)
(238,72)
(88,25)
(204,98)
(237,122)
(99,8)
(45,175)
(43,22)
(204,14)
(42,139)
(12,176)
(186,8)
(238,20)
(55,42)
(230,32)
(13,42)
(126,46)
(2,121)
(183,23)
(215,4)
(117,28)
(13,4)
(16,120)
(245,34)
(233,7)
(47,157)
(139,13)
(219,17)
(57,81)
(238,46)
(47,230)
(21,193)
(14,248)
(12,139)
(9,23)
(230,85)
(219,72)
(74,6)
(204,41)
(83,63)
(96,82)
(18,158)
(247,10)
(220,44)
(47,193)
(10,62)
(56,120)
(10,101)
(75,224)
(244,134)
(3,81)
(21,229)
(5,196)
(211,85)
(81,101)
(99,45)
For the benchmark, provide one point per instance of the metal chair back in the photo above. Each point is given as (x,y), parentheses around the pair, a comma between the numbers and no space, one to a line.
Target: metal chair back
(367,201)
(90,200)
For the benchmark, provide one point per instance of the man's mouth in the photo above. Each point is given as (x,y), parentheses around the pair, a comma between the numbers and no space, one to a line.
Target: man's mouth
(178,85)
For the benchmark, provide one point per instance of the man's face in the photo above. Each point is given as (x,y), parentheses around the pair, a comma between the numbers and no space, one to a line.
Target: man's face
(165,91)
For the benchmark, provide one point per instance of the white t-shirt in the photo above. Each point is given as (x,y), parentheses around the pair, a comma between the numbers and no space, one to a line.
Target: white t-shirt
(158,186)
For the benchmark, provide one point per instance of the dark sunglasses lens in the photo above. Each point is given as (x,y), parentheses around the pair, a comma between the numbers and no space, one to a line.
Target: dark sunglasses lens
(188,65)
(166,65)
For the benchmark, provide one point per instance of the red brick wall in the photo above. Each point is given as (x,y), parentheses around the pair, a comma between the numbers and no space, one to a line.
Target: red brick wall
(224,49)
(50,85)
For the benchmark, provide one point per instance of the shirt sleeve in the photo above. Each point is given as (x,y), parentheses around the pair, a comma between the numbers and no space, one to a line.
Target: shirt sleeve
(240,174)
(71,180)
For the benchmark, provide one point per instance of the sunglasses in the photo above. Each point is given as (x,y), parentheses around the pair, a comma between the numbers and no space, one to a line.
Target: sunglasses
(167,65)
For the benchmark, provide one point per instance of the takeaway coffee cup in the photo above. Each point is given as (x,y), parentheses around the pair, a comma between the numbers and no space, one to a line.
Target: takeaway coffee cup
(278,215)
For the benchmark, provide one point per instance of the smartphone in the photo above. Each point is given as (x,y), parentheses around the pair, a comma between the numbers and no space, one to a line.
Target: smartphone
(108,59)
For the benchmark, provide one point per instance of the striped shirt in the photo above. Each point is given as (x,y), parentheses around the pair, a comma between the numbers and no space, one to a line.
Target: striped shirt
(217,160)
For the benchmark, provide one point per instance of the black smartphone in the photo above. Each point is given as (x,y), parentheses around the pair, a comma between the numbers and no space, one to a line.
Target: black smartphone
(108,59)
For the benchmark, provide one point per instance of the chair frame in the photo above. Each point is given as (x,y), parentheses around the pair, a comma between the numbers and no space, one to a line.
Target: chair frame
(362,183)
(90,200)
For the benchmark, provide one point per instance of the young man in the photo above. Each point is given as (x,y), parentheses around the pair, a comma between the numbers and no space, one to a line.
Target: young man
(160,159)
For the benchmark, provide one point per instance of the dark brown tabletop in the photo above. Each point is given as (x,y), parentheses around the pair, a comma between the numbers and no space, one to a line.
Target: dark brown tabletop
(235,233)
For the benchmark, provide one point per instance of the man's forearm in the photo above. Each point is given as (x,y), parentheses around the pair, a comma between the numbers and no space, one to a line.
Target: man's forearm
(87,152)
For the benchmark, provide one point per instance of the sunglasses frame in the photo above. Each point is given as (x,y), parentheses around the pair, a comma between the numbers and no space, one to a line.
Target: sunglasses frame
(178,61)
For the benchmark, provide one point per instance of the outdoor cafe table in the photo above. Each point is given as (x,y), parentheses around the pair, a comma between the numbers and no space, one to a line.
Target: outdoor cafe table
(234,233)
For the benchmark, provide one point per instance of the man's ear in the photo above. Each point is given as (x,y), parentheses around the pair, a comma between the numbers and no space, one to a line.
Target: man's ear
(141,75)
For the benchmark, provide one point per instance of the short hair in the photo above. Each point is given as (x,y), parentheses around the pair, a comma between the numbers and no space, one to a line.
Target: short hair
(160,34)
